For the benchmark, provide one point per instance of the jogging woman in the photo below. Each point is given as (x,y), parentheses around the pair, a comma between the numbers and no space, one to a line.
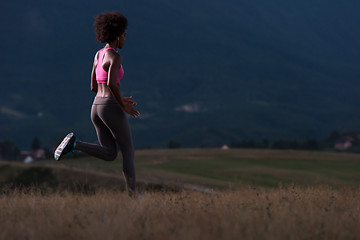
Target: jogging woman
(109,107)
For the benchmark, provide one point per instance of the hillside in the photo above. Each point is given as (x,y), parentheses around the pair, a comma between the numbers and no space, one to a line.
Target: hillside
(203,170)
(211,72)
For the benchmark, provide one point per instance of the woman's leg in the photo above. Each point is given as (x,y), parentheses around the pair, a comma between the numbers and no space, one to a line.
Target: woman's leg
(115,119)
(107,149)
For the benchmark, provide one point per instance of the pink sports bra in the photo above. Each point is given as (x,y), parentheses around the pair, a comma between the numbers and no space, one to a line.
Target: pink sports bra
(101,74)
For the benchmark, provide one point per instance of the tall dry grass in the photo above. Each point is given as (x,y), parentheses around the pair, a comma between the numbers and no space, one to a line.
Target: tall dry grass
(283,213)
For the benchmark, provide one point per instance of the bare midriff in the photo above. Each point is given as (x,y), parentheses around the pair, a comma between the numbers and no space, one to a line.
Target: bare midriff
(104,90)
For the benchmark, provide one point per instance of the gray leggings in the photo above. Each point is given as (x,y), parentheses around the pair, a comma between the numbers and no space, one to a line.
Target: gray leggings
(112,127)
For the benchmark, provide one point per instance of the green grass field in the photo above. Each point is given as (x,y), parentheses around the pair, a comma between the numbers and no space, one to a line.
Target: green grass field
(230,169)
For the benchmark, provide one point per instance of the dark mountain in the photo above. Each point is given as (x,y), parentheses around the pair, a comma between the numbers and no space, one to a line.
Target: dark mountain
(203,72)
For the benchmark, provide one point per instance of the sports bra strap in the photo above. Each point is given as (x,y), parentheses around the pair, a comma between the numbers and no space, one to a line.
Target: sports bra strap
(105,49)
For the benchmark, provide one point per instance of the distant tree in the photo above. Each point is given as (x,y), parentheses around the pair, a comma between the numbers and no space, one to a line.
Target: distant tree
(251,144)
(35,145)
(174,144)
(310,144)
(9,150)
(285,144)
(334,135)
(148,146)
(266,143)
(328,142)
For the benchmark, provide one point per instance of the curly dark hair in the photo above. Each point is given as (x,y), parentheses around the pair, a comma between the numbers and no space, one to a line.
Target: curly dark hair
(109,25)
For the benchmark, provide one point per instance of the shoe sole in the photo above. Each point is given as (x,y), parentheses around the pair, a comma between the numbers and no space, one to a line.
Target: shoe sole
(60,148)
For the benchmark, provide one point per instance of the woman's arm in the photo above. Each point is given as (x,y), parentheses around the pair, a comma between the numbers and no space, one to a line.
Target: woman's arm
(94,86)
(114,87)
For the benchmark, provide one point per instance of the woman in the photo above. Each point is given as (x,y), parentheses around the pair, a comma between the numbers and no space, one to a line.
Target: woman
(107,113)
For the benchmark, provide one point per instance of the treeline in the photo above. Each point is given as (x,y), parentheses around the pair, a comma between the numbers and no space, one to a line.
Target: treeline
(306,144)
(10,151)
(335,141)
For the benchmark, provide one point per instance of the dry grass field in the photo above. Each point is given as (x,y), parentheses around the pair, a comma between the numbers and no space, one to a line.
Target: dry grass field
(256,194)
(281,213)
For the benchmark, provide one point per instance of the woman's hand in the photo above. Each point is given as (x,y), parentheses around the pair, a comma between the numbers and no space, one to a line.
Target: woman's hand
(131,110)
(128,101)
(129,106)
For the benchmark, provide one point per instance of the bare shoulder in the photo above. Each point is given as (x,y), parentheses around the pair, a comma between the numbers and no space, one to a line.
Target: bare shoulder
(114,56)
(96,58)
(96,55)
